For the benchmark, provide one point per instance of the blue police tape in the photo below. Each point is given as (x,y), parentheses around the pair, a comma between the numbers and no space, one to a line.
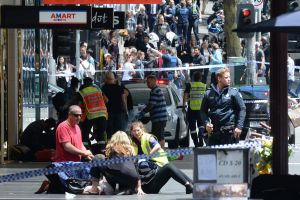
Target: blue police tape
(80,165)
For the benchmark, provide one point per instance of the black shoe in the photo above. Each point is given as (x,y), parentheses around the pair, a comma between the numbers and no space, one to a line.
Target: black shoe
(188,188)
(200,144)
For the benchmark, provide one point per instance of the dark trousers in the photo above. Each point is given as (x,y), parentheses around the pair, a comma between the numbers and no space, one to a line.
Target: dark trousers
(194,120)
(99,127)
(158,129)
(114,123)
(182,31)
(222,137)
(193,25)
(162,176)
(151,21)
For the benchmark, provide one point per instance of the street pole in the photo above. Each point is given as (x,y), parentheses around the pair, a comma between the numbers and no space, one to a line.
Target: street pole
(258,19)
(251,66)
(251,78)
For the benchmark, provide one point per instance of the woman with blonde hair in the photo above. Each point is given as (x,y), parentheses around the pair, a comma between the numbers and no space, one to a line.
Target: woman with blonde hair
(122,174)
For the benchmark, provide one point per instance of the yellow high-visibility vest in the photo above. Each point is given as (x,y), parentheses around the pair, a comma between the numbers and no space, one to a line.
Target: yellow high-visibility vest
(196,95)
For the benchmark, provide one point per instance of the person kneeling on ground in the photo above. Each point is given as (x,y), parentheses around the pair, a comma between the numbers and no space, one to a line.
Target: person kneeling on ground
(157,171)
(69,147)
(123,174)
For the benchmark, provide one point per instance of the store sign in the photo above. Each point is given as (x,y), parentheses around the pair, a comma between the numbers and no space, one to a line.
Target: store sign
(221,166)
(62,17)
(57,17)
(230,167)
(102,18)
(119,20)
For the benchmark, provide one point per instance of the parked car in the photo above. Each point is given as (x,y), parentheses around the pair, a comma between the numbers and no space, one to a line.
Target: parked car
(256,99)
(176,133)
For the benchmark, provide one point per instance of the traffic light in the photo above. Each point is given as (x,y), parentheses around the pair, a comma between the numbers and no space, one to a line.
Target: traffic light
(245,16)
(64,43)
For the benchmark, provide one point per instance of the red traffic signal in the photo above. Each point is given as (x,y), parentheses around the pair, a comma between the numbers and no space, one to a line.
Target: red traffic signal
(245,16)
(246,12)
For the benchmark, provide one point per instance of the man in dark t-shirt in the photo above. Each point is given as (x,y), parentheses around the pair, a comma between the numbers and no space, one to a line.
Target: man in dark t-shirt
(116,104)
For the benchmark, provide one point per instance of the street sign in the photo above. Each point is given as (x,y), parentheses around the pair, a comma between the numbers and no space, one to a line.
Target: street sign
(258,4)
(221,166)
(119,20)
(45,17)
(62,17)
(58,17)
(102,18)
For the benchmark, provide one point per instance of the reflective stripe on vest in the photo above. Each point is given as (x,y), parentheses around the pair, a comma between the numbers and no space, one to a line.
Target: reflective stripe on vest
(94,102)
(145,145)
(196,95)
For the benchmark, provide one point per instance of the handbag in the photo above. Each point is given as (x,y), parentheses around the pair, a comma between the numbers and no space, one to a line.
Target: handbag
(76,186)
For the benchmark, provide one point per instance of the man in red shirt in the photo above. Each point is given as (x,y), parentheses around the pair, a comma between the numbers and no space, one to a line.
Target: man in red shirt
(69,146)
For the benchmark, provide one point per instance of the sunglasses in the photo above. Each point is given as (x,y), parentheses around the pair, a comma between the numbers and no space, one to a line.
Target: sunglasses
(76,115)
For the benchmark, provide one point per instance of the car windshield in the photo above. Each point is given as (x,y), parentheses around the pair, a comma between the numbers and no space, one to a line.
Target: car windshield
(141,96)
(247,95)
(257,91)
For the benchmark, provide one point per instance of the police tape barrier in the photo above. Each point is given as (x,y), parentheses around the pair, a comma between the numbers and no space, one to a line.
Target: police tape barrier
(82,165)
(188,67)
(251,144)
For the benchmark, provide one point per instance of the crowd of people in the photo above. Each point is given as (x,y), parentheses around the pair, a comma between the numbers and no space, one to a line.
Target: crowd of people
(102,106)
(157,36)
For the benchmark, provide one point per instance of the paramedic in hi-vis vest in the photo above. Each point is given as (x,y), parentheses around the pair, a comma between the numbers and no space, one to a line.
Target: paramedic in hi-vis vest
(193,94)
(92,102)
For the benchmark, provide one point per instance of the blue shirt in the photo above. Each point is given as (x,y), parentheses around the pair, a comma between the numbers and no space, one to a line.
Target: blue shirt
(158,113)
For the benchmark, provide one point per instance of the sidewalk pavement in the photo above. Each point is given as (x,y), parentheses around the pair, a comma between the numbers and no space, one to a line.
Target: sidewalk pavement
(25,188)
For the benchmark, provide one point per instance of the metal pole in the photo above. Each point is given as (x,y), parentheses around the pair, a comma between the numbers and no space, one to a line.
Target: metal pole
(251,66)
(77,55)
(251,78)
(278,94)
(258,19)
(1,99)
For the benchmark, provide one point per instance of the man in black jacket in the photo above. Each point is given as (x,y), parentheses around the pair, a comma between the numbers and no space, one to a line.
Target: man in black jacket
(223,111)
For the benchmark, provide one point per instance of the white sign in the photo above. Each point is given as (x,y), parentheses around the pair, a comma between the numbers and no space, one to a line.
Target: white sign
(207,167)
(258,4)
(230,167)
(62,17)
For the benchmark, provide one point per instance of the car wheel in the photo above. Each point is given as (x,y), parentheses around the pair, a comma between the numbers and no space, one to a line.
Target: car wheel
(175,143)
(185,142)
